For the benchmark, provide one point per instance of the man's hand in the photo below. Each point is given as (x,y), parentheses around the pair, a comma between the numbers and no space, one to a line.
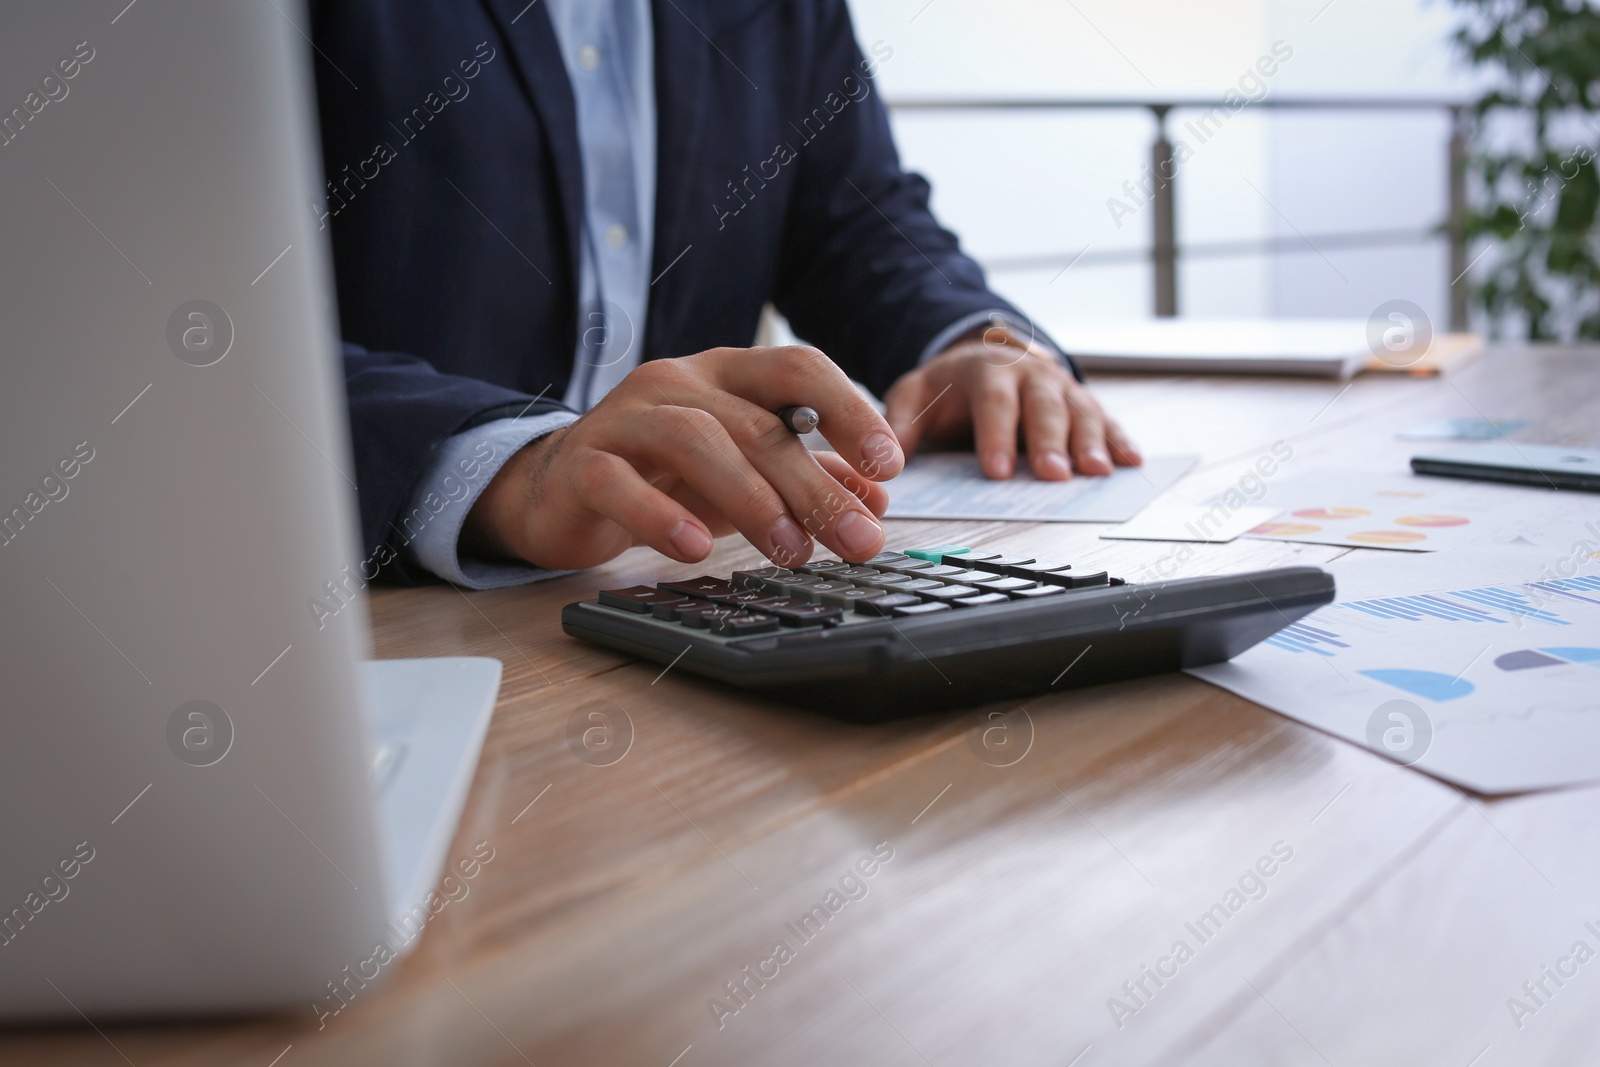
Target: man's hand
(684,450)
(993,384)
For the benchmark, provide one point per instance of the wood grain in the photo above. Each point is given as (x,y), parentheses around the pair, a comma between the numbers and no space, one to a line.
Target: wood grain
(623,899)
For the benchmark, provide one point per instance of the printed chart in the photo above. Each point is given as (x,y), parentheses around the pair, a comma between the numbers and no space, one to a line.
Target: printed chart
(1419,514)
(1495,687)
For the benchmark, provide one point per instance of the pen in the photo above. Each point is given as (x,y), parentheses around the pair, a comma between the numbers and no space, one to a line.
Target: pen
(799,418)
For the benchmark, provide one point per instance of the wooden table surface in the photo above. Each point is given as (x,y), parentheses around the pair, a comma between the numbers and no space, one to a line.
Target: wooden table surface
(623,900)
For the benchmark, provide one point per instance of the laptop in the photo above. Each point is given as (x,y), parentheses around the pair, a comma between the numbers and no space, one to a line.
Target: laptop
(209,801)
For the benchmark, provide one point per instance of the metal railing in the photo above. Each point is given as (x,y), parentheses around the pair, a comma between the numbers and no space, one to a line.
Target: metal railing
(1165,250)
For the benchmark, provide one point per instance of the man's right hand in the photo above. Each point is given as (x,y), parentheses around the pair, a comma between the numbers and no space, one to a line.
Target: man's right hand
(685,450)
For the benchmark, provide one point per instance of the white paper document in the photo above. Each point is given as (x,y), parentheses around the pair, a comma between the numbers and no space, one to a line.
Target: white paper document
(950,485)
(1494,686)
(1189,522)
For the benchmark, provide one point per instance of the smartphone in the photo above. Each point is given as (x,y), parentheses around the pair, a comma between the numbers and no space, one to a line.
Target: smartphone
(1547,466)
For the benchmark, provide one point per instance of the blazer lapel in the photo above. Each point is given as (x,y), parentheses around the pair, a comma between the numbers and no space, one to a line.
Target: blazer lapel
(536,53)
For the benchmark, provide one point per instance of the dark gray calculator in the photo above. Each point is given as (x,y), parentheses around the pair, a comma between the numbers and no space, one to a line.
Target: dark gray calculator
(912,631)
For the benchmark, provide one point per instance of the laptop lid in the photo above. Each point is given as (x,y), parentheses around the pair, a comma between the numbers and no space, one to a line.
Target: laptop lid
(186,819)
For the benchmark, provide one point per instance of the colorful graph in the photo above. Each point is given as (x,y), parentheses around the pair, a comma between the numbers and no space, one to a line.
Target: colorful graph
(1330,514)
(1387,537)
(1530,659)
(1285,529)
(1429,685)
(1488,605)
(1432,520)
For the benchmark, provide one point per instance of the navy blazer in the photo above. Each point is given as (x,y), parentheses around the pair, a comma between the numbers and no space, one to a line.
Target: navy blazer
(454,196)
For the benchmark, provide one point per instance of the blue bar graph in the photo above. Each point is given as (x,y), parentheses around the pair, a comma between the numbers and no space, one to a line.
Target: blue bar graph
(1491,605)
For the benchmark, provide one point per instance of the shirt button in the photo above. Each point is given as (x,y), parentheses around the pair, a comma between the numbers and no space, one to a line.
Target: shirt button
(616,235)
(588,57)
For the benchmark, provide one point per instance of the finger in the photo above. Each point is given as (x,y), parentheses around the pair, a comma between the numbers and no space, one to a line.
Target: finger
(906,401)
(1087,438)
(612,488)
(825,508)
(870,493)
(992,394)
(699,507)
(1123,451)
(777,377)
(1044,424)
(696,446)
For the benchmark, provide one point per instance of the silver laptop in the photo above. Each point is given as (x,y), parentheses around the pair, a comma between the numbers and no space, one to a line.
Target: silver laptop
(208,802)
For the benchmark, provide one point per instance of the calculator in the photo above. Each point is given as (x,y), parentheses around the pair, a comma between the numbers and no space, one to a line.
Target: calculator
(949,626)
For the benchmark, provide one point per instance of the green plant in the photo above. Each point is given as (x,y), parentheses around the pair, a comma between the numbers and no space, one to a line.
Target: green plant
(1538,198)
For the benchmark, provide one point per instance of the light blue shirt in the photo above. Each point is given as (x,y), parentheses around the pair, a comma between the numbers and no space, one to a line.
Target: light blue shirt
(609,50)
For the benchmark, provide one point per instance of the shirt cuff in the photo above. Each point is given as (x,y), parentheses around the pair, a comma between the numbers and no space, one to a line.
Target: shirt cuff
(967,323)
(461,470)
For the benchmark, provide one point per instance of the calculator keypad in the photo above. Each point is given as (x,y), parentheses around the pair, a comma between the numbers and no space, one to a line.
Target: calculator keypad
(826,593)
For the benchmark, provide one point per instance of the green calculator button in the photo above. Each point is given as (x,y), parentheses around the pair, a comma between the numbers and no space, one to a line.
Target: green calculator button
(934,555)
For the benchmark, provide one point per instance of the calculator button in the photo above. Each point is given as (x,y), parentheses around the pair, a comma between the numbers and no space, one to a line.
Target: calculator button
(706,587)
(981,600)
(793,586)
(703,618)
(848,597)
(743,597)
(824,567)
(1037,591)
(883,581)
(856,574)
(885,604)
(1000,564)
(904,566)
(1065,579)
(966,558)
(1036,569)
(934,555)
(808,615)
(638,599)
(913,610)
(672,610)
(817,589)
(951,593)
(1088,578)
(761,579)
(887,557)
(1007,585)
(985,579)
(941,572)
(771,604)
(743,624)
(918,585)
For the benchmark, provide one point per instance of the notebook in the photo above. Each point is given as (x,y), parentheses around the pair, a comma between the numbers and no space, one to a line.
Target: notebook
(1324,348)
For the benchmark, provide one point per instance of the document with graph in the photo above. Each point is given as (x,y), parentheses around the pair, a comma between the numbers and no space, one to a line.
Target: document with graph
(1495,686)
(1415,513)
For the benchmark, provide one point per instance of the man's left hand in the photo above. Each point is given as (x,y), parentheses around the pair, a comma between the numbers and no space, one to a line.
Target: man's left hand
(997,387)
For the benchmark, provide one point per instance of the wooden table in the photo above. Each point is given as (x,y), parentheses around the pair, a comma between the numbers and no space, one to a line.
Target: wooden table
(623,900)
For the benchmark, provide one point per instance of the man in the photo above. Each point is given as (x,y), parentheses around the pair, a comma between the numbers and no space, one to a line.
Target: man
(534,205)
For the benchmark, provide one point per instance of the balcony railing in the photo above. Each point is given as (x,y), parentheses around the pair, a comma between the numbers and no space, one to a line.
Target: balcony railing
(1165,250)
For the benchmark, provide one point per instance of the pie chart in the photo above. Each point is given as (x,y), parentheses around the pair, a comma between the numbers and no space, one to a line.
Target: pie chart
(1331,514)
(1285,529)
(1387,537)
(1432,520)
